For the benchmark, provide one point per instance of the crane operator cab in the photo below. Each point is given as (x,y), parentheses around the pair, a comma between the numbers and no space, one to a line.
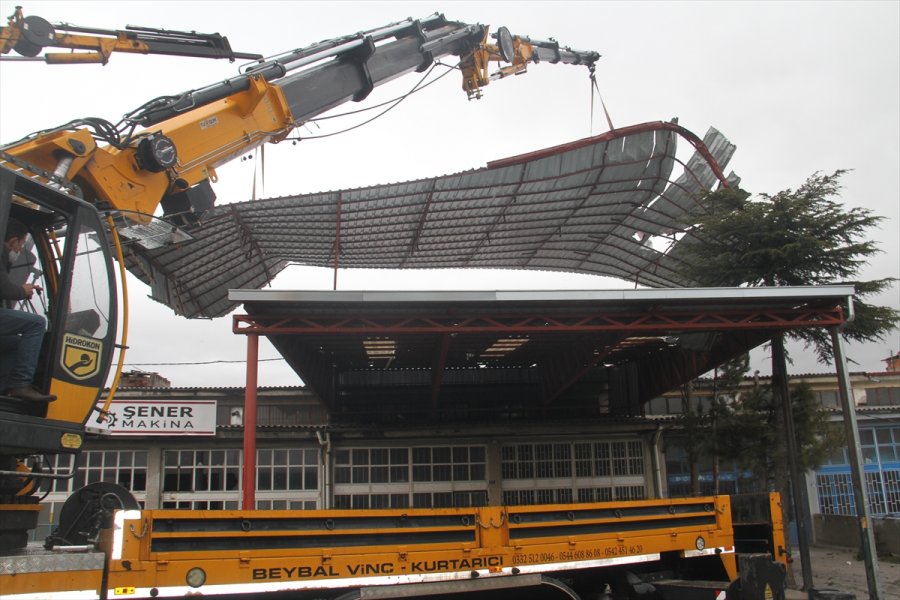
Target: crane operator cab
(66,254)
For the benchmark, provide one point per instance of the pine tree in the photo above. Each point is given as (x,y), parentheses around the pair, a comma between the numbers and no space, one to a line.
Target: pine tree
(792,238)
(818,437)
(753,430)
(795,237)
(695,426)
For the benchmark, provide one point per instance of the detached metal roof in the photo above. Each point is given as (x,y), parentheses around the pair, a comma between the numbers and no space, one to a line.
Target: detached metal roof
(425,356)
(600,205)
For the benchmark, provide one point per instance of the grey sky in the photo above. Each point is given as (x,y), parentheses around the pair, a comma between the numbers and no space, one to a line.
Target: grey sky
(800,87)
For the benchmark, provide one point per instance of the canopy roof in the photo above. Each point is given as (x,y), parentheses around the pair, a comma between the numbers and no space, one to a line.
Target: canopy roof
(605,205)
(427,356)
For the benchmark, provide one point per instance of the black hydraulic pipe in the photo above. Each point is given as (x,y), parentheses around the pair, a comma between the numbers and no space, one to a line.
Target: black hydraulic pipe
(323,86)
(444,38)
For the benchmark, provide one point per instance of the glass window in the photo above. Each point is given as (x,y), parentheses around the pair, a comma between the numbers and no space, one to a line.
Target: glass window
(124,467)
(829,399)
(883,396)
(562,460)
(602,460)
(887,453)
(389,476)
(359,474)
(619,458)
(341,475)
(583,460)
(631,492)
(869,455)
(204,471)
(91,297)
(575,463)
(603,494)
(283,469)
(458,463)
(422,473)
(838,457)
(375,465)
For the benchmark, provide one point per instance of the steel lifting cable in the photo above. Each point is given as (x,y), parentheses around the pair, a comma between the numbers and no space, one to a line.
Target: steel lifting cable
(595,88)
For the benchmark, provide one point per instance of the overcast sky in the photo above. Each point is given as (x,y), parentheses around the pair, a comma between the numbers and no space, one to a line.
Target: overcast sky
(799,87)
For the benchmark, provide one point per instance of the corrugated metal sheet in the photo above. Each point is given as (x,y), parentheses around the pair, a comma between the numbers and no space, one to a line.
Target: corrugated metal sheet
(593,206)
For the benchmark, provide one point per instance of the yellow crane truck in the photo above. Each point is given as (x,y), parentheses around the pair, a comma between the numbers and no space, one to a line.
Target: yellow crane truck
(75,185)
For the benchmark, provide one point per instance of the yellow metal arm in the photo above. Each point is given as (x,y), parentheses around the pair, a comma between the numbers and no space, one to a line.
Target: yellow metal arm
(137,176)
(517,52)
(510,49)
(28,36)
(181,140)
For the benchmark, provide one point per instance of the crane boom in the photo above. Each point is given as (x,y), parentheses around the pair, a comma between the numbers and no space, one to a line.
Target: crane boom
(182,139)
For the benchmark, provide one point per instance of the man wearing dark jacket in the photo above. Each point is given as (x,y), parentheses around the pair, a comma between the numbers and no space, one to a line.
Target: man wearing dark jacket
(21,333)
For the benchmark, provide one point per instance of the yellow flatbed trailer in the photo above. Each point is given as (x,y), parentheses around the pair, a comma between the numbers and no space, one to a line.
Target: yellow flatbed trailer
(390,553)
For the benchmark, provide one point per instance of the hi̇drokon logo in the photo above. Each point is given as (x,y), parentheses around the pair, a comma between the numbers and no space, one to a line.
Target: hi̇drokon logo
(81,356)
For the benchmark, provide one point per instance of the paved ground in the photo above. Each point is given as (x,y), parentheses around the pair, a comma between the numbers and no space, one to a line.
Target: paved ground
(840,569)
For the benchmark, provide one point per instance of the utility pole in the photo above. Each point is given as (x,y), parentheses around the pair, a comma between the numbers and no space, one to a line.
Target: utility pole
(860,494)
(800,502)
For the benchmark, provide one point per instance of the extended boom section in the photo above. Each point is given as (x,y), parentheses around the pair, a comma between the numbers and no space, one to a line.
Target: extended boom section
(165,553)
(30,36)
(167,151)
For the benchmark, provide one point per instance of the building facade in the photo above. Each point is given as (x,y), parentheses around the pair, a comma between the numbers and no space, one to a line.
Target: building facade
(306,461)
(303,461)
(877,400)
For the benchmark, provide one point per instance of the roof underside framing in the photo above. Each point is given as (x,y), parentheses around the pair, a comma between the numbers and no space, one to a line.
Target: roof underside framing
(653,322)
(438,356)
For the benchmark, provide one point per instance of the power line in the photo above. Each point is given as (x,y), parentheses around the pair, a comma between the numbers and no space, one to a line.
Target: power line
(208,362)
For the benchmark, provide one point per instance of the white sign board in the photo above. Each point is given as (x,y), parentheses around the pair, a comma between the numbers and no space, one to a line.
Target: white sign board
(161,417)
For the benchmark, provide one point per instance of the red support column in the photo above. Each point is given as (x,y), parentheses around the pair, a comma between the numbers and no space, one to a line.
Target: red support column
(249,480)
